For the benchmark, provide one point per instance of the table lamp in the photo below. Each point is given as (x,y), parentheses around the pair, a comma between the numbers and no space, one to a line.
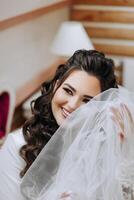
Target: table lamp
(70,37)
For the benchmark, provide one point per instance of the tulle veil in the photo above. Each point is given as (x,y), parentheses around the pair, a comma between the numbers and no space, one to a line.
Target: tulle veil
(91,156)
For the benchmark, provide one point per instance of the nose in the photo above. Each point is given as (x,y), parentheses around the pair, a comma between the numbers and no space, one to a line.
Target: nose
(73,103)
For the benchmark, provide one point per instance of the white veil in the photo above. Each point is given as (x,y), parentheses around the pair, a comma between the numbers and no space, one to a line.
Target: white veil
(91,154)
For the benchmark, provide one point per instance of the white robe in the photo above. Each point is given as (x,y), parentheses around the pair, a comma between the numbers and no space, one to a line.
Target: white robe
(10,166)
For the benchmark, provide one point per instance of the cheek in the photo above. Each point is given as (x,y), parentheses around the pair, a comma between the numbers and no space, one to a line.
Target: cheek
(59,98)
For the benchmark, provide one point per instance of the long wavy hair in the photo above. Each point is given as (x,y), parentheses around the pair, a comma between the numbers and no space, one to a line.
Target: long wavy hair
(40,128)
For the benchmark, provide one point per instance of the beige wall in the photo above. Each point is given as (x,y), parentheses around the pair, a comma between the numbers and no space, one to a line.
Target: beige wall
(24,49)
(10,8)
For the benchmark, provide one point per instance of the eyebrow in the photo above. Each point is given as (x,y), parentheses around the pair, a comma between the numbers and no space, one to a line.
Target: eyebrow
(73,89)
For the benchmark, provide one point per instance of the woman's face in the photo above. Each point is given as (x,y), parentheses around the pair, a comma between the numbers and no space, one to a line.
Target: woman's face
(77,89)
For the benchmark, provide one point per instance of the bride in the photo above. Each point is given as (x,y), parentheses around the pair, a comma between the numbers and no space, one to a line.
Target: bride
(91,156)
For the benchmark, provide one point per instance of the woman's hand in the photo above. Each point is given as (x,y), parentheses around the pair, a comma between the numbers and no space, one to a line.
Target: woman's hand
(68,196)
(65,196)
(118,114)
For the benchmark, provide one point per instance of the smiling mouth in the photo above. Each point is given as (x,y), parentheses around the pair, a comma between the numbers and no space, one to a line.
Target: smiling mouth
(65,112)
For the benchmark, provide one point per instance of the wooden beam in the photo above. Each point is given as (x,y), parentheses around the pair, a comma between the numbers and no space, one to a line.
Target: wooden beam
(4,24)
(102,16)
(106,2)
(113,33)
(119,50)
(29,88)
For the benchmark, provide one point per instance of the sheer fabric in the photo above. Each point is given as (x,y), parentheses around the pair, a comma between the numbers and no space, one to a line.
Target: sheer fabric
(91,156)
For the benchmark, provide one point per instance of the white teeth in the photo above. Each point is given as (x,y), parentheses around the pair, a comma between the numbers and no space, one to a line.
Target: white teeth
(66,113)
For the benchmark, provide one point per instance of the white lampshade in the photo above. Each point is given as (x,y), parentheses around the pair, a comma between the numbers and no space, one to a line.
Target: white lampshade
(70,37)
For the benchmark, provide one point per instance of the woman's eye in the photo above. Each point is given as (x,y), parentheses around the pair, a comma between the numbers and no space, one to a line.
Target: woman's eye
(86,100)
(68,91)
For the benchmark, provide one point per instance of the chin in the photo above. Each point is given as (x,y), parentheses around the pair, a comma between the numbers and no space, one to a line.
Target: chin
(59,118)
(60,121)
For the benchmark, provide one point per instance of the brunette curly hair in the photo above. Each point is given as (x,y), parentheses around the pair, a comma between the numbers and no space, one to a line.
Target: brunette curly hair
(40,128)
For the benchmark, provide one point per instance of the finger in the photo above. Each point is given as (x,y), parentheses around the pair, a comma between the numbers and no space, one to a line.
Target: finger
(64,195)
(128,112)
(128,116)
(114,111)
(121,135)
(118,121)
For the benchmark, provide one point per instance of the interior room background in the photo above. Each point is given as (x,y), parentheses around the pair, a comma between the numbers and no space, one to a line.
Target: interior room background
(27,29)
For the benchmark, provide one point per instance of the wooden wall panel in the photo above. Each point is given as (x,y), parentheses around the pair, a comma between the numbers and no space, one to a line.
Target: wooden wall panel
(102,16)
(119,50)
(118,70)
(112,33)
(106,2)
(108,21)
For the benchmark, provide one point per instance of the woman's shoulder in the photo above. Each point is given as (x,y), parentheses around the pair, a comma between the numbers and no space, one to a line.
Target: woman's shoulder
(17,137)
(14,140)
(11,165)
(10,159)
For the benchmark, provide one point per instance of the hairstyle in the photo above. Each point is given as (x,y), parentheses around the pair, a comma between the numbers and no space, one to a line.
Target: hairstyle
(39,129)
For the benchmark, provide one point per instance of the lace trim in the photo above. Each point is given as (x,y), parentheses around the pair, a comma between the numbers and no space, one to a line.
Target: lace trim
(128,192)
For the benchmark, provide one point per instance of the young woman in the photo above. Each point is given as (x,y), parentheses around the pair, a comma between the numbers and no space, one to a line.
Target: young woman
(83,76)
(91,155)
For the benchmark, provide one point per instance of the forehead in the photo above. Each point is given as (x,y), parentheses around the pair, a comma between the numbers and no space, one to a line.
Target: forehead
(83,82)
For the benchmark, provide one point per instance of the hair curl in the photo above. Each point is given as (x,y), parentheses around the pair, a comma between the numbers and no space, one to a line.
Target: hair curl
(39,129)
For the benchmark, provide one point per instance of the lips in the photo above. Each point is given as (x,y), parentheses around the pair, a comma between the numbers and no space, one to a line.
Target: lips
(65,112)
